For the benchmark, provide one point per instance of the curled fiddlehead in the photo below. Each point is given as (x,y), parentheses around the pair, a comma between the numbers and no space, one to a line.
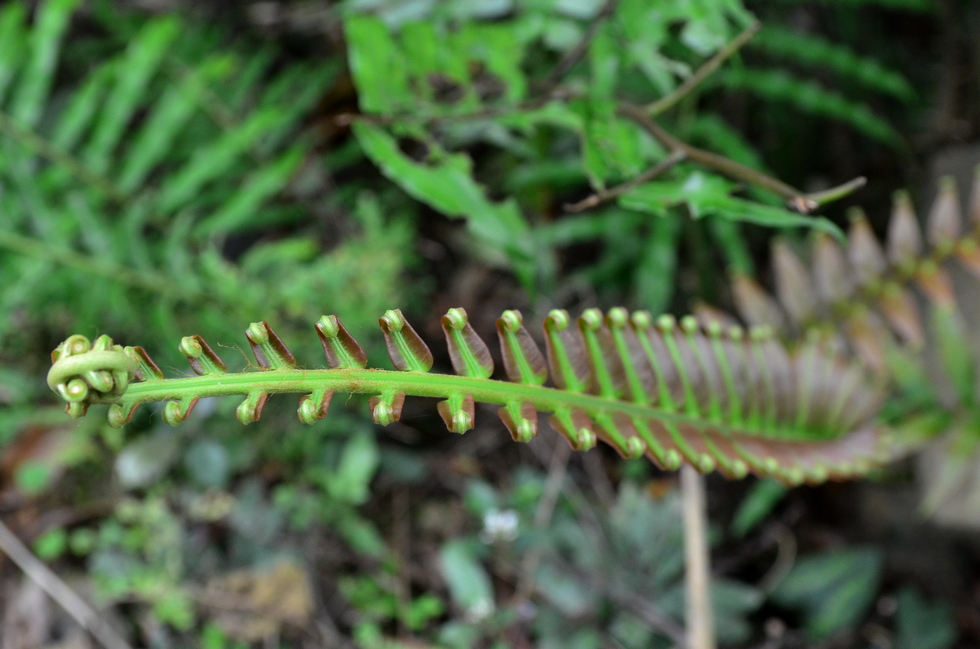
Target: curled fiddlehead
(715,397)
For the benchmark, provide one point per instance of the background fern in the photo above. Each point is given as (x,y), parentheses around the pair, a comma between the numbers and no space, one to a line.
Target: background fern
(168,160)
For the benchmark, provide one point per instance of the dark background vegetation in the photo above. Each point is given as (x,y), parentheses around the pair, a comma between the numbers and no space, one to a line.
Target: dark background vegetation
(346,534)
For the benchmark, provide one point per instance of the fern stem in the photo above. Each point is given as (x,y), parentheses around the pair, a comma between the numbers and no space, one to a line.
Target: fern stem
(375,381)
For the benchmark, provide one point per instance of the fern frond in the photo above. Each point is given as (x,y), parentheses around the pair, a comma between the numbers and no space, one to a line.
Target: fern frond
(843,61)
(133,174)
(809,97)
(870,286)
(901,306)
(717,399)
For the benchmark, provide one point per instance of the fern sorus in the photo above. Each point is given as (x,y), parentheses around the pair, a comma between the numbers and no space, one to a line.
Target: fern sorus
(716,398)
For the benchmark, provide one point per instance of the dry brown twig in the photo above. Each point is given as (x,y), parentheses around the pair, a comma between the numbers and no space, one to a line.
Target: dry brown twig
(700,627)
(59,591)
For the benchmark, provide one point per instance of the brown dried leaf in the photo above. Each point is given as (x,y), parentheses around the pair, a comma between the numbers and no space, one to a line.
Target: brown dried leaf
(518,344)
(560,335)
(865,336)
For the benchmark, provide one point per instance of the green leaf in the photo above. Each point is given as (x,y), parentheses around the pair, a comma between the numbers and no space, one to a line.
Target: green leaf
(13,36)
(377,65)
(732,602)
(167,116)
(737,209)
(815,51)
(809,97)
(351,480)
(604,63)
(756,505)
(705,193)
(421,610)
(82,107)
(731,239)
(210,161)
(654,276)
(447,185)
(834,590)
(610,145)
(51,545)
(33,477)
(499,47)
(921,625)
(45,44)
(134,71)
(468,582)
(258,187)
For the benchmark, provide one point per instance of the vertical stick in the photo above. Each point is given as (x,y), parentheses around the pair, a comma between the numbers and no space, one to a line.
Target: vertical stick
(700,628)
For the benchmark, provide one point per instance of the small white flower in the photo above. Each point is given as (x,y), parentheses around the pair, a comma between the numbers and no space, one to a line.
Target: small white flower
(499,526)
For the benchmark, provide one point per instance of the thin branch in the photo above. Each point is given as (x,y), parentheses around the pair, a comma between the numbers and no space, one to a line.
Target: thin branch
(575,54)
(700,628)
(560,454)
(795,199)
(608,194)
(711,160)
(838,192)
(59,591)
(666,103)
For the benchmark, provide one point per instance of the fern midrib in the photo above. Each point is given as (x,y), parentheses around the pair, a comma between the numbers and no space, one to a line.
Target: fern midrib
(418,384)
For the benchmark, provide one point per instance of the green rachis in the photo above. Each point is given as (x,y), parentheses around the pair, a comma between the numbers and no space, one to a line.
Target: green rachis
(717,398)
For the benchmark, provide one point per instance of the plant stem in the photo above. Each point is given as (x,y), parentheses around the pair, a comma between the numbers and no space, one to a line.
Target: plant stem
(374,381)
(714,161)
(653,172)
(700,627)
(666,103)
(560,454)
(797,200)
